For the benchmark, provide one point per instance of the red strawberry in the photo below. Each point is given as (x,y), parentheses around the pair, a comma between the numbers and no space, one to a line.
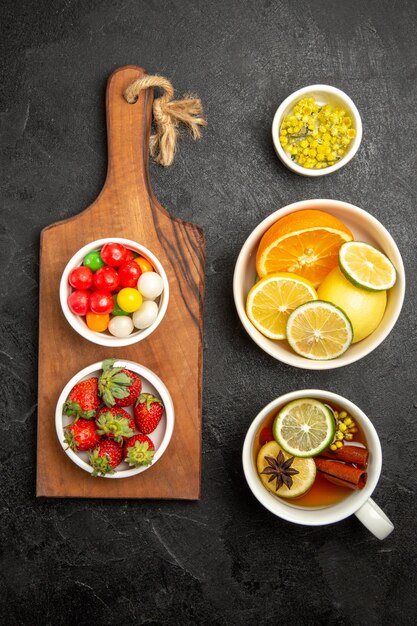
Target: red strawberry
(105,457)
(118,386)
(82,435)
(148,412)
(115,423)
(83,400)
(138,450)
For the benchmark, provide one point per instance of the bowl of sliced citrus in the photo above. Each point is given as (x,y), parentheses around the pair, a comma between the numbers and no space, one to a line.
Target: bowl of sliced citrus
(319,284)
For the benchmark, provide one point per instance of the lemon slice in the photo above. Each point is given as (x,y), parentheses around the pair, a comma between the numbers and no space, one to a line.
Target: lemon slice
(304,427)
(301,481)
(366,267)
(319,330)
(271,300)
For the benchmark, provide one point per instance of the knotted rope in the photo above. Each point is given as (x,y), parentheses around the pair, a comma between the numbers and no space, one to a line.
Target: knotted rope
(168,114)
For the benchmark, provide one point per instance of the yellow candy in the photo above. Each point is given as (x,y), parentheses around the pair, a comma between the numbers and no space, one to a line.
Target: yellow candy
(129,299)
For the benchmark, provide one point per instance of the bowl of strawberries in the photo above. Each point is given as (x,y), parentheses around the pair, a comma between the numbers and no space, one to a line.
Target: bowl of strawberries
(114,419)
(114,292)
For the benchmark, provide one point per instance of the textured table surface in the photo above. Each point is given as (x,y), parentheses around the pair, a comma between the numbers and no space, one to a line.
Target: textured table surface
(224,560)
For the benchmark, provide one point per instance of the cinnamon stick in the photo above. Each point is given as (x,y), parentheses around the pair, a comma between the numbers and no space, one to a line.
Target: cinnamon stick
(349,454)
(342,474)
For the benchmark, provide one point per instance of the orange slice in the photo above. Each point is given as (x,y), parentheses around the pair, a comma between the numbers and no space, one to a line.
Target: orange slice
(305,243)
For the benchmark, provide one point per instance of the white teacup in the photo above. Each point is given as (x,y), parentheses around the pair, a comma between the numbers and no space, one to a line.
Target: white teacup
(358,502)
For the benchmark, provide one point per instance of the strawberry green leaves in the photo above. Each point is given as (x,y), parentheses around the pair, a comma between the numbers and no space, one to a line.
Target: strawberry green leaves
(113,383)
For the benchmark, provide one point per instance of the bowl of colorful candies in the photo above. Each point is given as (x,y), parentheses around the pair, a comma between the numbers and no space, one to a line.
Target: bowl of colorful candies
(114,292)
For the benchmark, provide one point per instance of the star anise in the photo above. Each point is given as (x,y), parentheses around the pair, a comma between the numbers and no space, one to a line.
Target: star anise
(280,469)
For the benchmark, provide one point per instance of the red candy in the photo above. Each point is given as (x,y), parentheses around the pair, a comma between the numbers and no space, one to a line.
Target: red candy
(81,278)
(106,279)
(129,274)
(113,254)
(94,292)
(101,302)
(78,301)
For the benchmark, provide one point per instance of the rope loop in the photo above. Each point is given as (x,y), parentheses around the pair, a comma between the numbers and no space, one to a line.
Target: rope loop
(168,114)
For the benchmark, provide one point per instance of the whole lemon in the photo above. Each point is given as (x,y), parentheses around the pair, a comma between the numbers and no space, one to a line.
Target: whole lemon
(365,309)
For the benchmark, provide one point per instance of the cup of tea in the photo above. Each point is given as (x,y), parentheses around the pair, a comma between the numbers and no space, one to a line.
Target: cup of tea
(335,489)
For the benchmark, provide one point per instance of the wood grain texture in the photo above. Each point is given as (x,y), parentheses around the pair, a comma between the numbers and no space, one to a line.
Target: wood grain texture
(126,207)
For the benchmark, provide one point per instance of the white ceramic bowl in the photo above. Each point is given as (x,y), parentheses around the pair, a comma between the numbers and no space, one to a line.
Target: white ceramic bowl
(323,94)
(364,227)
(160,437)
(358,502)
(105,338)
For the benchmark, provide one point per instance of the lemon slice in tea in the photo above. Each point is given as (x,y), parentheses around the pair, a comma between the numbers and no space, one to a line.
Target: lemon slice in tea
(304,427)
(366,267)
(271,300)
(299,474)
(319,330)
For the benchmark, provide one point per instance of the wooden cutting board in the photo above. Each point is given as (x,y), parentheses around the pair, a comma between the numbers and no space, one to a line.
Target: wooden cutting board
(126,207)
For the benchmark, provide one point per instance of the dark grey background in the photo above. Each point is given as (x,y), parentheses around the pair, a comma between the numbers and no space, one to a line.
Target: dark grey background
(224,560)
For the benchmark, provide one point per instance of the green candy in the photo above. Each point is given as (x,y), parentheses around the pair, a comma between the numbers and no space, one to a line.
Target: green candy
(93,261)
(117,310)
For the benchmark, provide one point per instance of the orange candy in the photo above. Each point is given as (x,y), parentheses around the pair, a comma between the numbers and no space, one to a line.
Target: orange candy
(144,264)
(98,322)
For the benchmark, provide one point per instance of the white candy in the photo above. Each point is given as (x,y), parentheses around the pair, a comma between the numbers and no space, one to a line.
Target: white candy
(121,326)
(150,285)
(146,315)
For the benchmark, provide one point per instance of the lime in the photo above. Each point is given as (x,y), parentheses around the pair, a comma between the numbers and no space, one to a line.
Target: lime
(300,473)
(304,427)
(319,330)
(366,267)
(365,309)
